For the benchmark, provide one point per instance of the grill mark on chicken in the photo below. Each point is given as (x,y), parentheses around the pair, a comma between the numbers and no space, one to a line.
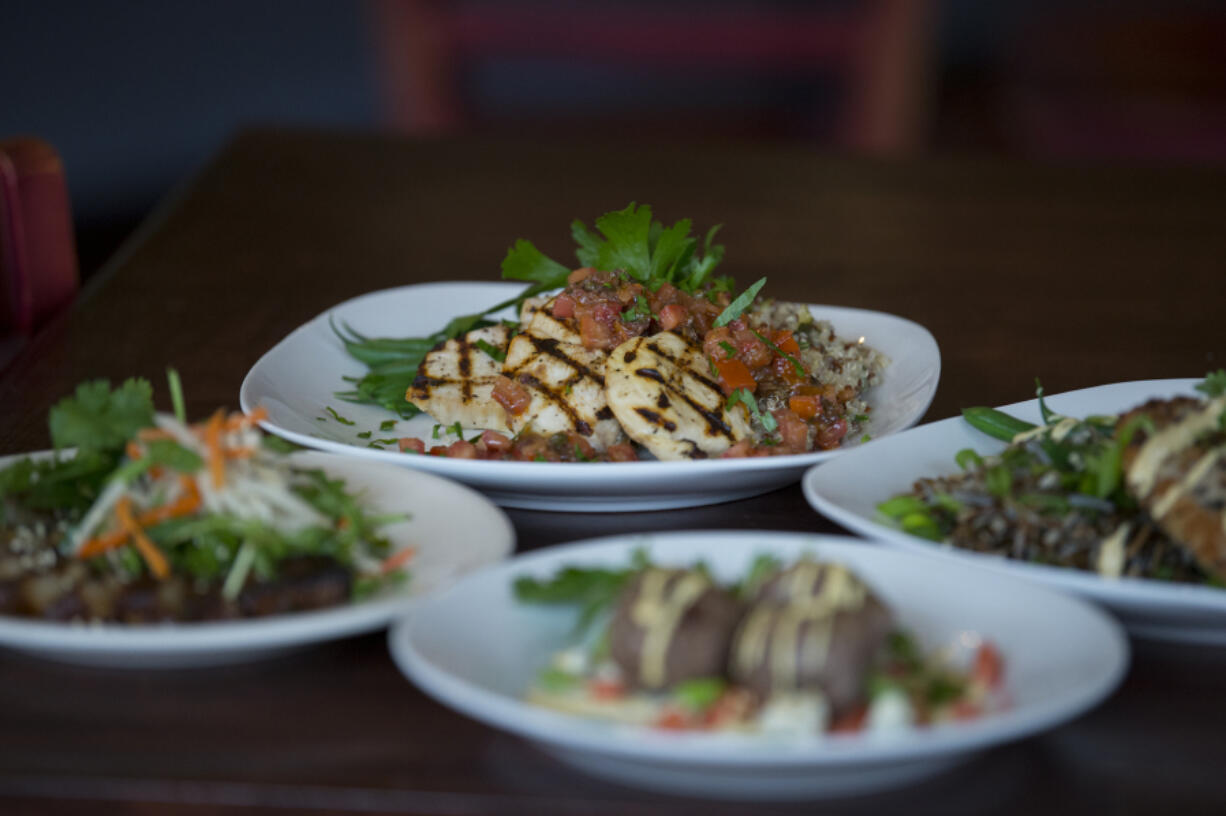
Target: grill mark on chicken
(707,381)
(581,426)
(466,367)
(654,418)
(715,423)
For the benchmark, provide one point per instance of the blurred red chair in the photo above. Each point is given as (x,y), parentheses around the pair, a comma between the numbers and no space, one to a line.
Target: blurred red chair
(877,51)
(38,260)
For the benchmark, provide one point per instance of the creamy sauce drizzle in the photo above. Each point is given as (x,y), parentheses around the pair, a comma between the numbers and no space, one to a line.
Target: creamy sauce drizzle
(1058,430)
(1110,562)
(658,612)
(808,603)
(1168,442)
(1197,472)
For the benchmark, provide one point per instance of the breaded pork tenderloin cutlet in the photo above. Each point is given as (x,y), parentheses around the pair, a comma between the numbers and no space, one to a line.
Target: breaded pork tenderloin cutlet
(566,386)
(1177,472)
(661,391)
(455,381)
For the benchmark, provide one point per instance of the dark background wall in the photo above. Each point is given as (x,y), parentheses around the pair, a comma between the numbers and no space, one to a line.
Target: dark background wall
(135,94)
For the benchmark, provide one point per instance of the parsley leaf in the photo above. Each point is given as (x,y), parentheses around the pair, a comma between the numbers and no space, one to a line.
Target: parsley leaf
(527,263)
(1214,384)
(96,418)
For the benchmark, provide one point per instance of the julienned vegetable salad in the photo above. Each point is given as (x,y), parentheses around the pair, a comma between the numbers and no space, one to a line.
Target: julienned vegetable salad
(640,352)
(149,517)
(1137,495)
(800,649)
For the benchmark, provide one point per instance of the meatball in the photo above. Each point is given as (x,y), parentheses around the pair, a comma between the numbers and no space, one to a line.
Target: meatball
(672,625)
(812,627)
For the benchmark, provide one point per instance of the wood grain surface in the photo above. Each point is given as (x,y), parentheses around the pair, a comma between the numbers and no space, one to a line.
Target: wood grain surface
(1078,275)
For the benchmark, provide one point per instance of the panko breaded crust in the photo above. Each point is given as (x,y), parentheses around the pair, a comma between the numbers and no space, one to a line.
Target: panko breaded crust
(1177,473)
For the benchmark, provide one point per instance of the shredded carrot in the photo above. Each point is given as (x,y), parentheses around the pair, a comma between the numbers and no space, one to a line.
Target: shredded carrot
(150,434)
(239,421)
(148,550)
(212,442)
(185,505)
(133,450)
(398,559)
(103,543)
(239,453)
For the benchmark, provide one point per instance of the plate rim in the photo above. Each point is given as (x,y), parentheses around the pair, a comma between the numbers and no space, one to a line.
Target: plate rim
(572,731)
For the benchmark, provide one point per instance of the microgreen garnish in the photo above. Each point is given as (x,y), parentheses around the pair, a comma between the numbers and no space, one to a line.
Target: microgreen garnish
(738,306)
(490,349)
(1046,415)
(176,394)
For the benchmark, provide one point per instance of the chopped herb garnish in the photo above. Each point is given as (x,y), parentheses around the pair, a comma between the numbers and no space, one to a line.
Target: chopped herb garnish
(364,435)
(796,366)
(743,396)
(387,424)
(728,348)
(342,420)
(738,306)
(490,349)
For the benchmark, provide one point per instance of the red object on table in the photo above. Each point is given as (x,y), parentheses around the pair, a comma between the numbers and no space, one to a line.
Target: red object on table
(38,258)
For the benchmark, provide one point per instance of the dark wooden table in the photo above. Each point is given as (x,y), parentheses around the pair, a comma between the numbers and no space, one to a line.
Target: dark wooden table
(1081,276)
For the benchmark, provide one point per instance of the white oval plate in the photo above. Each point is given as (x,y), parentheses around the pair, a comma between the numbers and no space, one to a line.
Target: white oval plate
(298,379)
(476,649)
(454,529)
(849,489)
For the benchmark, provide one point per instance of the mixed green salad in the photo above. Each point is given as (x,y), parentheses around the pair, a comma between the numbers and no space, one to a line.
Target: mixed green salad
(1066,492)
(138,515)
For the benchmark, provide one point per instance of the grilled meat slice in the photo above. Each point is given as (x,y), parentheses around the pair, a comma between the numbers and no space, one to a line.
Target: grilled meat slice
(1178,473)
(567,387)
(455,381)
(662,392)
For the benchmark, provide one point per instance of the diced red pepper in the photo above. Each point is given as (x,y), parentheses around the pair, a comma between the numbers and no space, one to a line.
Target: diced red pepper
(989,666)
(564,306)
(785,342)
(672,316)
(805,406)
(734,374)
(413,444)
(606,689)
(672,720)
(511,396)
